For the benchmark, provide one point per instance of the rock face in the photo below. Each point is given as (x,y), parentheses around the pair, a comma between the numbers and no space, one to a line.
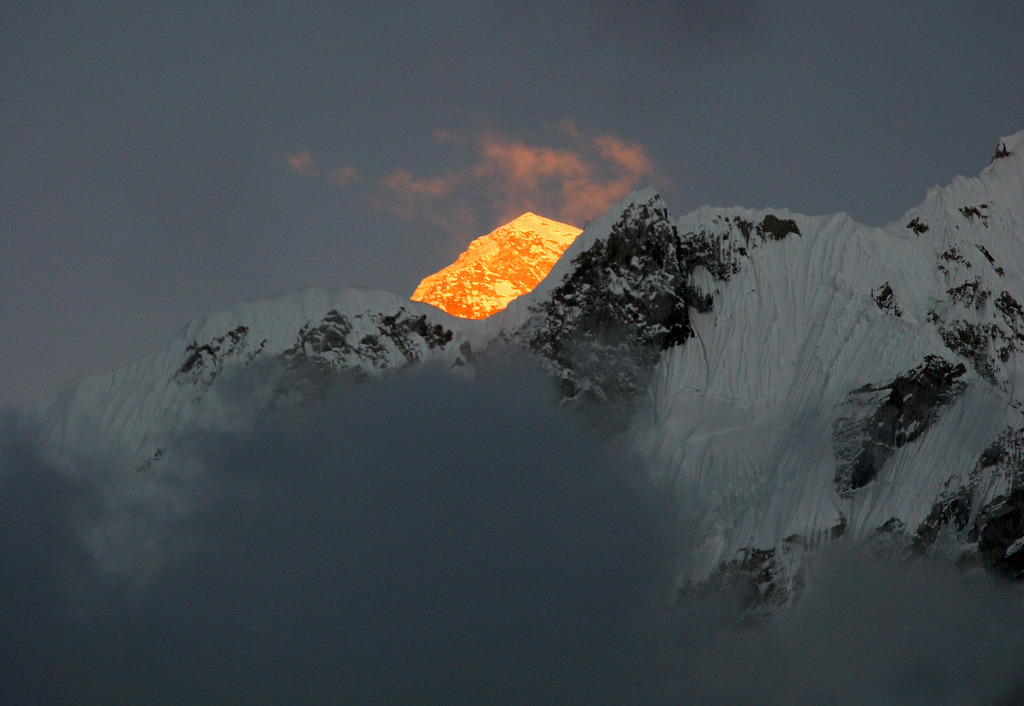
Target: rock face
(803,379)
(338,343)
(898,413)
(497,267)
(604,327)
(852,382)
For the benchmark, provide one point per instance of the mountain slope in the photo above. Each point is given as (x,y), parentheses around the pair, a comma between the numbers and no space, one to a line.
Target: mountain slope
(850,380)
(835,380)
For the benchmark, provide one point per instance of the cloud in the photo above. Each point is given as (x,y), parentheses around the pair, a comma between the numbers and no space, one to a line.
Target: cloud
(505,177)
(402,182)
(569,127)
(302,164)
(427,538)
(579,184)
(422,199)
(342,176)
(442,538)
(864,631)
(630,158)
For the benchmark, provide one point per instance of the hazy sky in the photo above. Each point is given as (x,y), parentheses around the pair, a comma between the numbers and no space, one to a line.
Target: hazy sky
(160,164)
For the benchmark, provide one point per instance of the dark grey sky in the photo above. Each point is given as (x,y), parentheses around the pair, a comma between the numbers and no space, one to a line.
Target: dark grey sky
(160,164)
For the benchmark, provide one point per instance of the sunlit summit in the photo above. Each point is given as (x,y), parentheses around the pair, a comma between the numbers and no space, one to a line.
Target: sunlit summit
(498,267)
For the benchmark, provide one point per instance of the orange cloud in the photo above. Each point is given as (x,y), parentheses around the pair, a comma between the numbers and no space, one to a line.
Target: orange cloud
(342,176)
(631,158)
(573,184)
(302,164)
(505,177)
(522,167)
(569,127)
(403,183)
(421,199)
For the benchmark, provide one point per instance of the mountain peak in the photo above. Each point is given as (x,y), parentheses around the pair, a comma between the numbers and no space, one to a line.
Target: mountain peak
(498,267)
(1010,144)
(529,219)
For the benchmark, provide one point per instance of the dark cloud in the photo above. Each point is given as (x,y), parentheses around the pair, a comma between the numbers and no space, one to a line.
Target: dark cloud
(435,538)
(866,632)
(425,538)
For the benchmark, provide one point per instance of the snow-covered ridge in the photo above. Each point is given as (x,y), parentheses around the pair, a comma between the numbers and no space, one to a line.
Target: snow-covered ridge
(805,378)
(121,418)
(802,350)
(840,380)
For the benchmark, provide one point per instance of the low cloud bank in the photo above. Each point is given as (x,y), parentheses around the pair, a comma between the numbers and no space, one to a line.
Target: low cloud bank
(866,631)
(431,538)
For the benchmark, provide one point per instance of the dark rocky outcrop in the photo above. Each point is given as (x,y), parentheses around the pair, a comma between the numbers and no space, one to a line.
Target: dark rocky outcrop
(991,260)
(627,299)
(999,532)
(953,511)
(330,344)
(203,361)
(777,228)
(969,294)
(918,226)
(757,578)
(604,327)
(979,212)
(771,227)
(886,299)
(898,413)
(971,340)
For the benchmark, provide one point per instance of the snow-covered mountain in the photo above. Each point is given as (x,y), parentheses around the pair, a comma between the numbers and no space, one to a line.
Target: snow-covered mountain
(498,267)
(799,378)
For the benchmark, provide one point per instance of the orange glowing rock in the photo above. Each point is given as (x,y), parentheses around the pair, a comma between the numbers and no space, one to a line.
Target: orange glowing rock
(498,267)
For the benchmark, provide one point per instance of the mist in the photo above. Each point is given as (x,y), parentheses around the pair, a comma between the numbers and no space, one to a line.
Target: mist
(451,538)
